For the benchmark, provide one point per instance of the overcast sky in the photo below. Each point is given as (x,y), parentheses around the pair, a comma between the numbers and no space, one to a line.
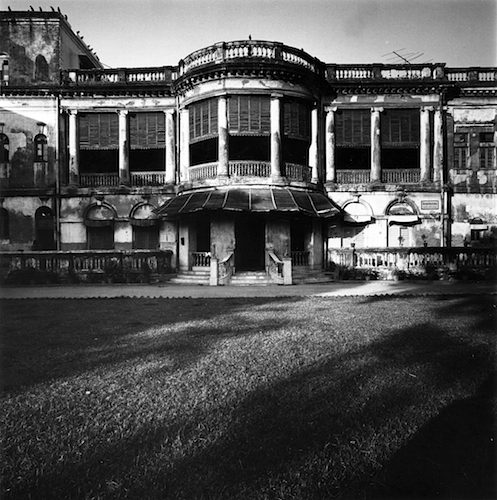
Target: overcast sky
(134,33)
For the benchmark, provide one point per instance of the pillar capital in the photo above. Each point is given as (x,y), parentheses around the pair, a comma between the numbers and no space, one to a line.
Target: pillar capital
(427,108)
(331,109)
(122,112)
(375,109)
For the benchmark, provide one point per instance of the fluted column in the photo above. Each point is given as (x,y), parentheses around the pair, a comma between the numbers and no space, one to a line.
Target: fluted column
(313,149)
(73,147)
(170,166)
(375,145)
(222,124)
(330,145)
(437,146)
(276,136)
(184,144)
(124,177)
(424,148)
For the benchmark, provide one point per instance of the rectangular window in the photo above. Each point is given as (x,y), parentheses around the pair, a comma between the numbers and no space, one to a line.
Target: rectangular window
(249,115)
(460,150)
(486,149)
(400,128)
(146,238)
(296,120)
(100,238)
(147,131)
(353,139)
(203,120)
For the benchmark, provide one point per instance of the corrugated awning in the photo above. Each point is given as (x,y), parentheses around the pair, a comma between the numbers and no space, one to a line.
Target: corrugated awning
(403,220)
(259,200)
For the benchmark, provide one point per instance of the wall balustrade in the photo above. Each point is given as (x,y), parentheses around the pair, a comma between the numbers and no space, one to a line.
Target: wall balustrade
(80,77)
(300,258)
(83,265)
(201,259)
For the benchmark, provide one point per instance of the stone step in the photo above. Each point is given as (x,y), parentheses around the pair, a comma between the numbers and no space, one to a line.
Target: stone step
(257,278)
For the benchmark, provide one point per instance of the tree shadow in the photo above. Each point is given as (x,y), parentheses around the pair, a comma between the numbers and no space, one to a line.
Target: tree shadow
(453,456)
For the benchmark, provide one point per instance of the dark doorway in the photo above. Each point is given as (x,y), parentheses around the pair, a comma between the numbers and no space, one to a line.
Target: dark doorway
(203,227)
(250,241)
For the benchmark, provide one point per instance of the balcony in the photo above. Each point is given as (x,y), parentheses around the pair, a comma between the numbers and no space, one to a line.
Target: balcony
(353,176)
(138,179)
(248,168)
(121,76)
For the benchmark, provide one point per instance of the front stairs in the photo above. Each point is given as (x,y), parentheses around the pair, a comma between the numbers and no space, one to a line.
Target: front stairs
(300,275)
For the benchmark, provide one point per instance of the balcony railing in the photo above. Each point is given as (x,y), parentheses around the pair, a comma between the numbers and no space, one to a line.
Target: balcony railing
(249,169)
(253,49)
(201,259)
(296,172)
(400,176)
(140,179)
(99,180)
(353,176)
(300,258)
(203,172)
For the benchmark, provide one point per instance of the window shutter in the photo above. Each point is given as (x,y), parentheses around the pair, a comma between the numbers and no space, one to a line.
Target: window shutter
(147,131)
(203,119)
(99,131)
(249,115)
(400,127)
(353,128)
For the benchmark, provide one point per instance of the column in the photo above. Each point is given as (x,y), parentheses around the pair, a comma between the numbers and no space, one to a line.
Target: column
(124,177)
(222,120)
(73,147)
(276,136)
(313,149)
(424,149)
(170,147)
(437,145)
(330,145)
(184,152)
(375,145)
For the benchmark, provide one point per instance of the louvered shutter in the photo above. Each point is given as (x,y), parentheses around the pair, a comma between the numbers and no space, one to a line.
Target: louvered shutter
(400,127)
(249,115)
(203,120)
(99,131)
(147,131)
(353,128)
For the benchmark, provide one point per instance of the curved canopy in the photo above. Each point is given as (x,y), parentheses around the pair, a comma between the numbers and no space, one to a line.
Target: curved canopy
(259,200)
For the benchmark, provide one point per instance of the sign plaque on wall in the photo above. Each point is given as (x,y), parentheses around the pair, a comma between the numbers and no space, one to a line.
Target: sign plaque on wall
(431,205)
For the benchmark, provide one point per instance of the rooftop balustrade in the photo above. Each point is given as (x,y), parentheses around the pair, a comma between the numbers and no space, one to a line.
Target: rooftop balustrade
(120,76)
(249,49)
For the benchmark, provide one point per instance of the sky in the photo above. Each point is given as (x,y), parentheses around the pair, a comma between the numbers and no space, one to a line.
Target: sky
(146,33)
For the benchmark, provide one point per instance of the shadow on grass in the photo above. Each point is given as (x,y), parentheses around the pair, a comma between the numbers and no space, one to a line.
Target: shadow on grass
(346,426)
(452,456)
(46,340)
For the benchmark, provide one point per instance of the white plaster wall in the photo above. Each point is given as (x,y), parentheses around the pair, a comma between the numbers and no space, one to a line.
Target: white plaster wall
(72,232)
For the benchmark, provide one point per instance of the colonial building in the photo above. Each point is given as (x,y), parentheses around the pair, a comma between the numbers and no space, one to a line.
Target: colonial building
(246,156)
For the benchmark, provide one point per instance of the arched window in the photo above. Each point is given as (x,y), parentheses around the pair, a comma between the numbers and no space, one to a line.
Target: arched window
(44,229)
(4,148)
(41,69)
(41,148)
(99,222)
(4,224)
(145,227)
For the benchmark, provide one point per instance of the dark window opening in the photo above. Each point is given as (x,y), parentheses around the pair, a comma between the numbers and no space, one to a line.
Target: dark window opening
(243,147)
(353,158)
(204,151)
(4,224)
(486,137)
(41,148)
(99,162)
(295,151)
(41,69)
(399,158)
(101,238)
(4,148)
(44,229)
(146,238)
(298,232)
(203,229)
(147,160)
(476,234)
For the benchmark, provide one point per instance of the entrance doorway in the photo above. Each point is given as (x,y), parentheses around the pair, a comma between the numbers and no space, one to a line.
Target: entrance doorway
(250,243)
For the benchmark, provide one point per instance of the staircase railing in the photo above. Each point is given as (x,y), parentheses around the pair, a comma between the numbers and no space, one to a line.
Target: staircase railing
(226,269)
(275,268)
(201,259)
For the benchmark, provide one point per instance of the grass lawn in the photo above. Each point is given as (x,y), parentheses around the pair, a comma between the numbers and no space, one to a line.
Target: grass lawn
(284,398)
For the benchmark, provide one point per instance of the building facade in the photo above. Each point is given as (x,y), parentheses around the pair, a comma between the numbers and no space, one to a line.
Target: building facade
(251,154)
